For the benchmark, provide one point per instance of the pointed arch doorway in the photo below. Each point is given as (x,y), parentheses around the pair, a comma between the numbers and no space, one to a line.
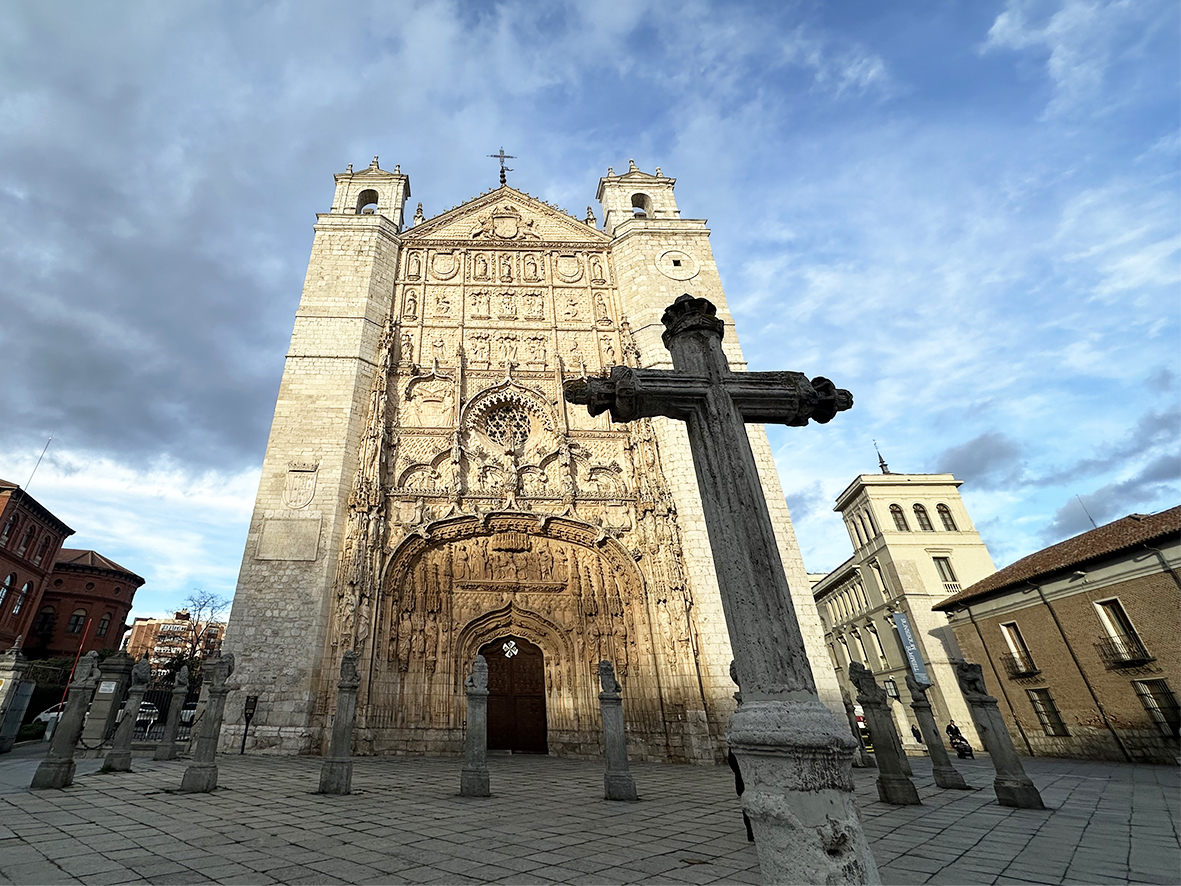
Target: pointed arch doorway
(516,696)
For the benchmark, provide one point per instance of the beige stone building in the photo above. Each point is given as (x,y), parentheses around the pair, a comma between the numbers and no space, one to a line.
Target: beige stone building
(1081,642)
(914,545)
(427,495)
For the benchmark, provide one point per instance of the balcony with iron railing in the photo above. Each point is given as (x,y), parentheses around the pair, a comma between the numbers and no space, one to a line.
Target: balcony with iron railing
(1123,652)
(1019,665)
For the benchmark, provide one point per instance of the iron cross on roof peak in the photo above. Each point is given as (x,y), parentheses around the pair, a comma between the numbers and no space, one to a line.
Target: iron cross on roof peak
(502,156)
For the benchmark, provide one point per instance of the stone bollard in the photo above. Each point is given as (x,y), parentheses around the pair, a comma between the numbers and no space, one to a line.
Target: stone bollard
(119,757)
(201,775)
(473,779)
(166,749)
(946,775)
(894,786)
(1013,787)
(336,773)
(618,783)
(14,695)
(57,769)
(861,757)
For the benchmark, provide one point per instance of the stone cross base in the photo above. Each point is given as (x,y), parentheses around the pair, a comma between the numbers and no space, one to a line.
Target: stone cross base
(336,777)
(897,790)
(118,761)
(53,774)
(1023,795)
(474,783)
(951,779)
(166,750)
(200,778)
(619,786)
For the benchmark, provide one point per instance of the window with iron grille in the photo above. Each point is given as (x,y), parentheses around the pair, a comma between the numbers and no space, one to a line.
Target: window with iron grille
(1161,705)
(1047,712)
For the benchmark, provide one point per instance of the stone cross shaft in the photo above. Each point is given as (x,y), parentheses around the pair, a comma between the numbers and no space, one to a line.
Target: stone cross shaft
(473,779)
(201,775)
(336,772)
(894,784)
(946,775)
(57,769)
(119,757)
(716,404)
(166,749)
(618,783)
(795,755)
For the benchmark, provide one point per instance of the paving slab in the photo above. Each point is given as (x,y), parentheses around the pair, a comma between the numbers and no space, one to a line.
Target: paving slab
(546,822)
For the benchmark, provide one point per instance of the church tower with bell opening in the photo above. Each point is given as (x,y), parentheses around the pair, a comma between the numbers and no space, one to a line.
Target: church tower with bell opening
(427,495)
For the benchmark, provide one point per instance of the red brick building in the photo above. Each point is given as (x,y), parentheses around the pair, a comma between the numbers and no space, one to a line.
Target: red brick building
(1081,641)
(86,604)
(30,539)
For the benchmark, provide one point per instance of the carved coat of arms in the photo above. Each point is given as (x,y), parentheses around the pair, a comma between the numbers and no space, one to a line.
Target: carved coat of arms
(300,486)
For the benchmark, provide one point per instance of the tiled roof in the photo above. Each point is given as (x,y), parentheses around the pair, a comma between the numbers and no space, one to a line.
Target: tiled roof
(79,559)
(1117,536)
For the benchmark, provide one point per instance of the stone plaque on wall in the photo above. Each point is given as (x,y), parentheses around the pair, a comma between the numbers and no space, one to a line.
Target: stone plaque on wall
(289,537)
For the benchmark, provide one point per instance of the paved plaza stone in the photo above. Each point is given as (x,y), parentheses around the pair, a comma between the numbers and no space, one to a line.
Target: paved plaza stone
(547,823)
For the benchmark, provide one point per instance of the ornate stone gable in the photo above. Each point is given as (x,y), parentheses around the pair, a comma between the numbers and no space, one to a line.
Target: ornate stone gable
(505,217)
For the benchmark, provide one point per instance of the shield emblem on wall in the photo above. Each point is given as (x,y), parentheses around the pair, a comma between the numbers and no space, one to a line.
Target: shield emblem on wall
(506,222)
(300,486)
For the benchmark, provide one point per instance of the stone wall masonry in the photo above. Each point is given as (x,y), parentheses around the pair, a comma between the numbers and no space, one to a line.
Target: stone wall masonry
(280,615)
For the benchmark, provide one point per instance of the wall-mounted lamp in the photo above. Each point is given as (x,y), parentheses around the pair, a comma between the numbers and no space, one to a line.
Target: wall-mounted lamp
(891,688)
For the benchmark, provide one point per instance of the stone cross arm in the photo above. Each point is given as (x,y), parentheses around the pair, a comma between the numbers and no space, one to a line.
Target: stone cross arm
(694,334)
(786,398)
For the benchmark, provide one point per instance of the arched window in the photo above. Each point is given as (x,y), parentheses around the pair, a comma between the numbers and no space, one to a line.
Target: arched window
(641,206)
(899,518)
(945,516)
(20,597)
(856,531)
(43,623)
(5,588)
(104,624)
(920,514)
(367,202)
(25,539)
(865,526)
(77,620)
(42,548)
(9,529)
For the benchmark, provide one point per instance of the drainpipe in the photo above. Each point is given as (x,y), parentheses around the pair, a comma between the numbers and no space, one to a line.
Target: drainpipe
(1081,673)
(999,681)
(1164,563)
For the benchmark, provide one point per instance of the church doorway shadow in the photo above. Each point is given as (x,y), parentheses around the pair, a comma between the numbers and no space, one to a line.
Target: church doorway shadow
(516,696)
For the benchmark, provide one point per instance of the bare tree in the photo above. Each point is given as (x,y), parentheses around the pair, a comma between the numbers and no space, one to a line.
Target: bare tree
(205,610)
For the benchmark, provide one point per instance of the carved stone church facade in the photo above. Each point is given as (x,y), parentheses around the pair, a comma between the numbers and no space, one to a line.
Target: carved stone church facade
(427,495)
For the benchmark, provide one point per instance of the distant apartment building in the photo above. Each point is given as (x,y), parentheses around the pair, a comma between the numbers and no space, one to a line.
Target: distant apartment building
(913,546)
(163,639)
(1081,641)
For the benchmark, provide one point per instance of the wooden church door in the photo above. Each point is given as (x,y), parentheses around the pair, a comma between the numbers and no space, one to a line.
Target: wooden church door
(516,696)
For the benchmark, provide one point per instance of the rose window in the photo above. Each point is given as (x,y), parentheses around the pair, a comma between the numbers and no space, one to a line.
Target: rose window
(508,426)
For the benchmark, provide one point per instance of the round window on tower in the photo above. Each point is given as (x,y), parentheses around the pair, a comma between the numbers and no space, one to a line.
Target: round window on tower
(508,425)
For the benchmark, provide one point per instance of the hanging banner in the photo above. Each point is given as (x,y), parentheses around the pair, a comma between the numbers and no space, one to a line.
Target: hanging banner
(910,647)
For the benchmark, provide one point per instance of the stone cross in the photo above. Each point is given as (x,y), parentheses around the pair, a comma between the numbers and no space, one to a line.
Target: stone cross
(57,769)
(894,785)
(795,755)
(861,757)
(201,775)
(336,773)
(618,783)
(166,749)
(946,775)
(473,779)
(1013,787)
(119,757)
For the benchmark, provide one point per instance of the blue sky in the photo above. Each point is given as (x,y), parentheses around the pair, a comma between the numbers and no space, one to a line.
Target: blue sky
(967,213)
